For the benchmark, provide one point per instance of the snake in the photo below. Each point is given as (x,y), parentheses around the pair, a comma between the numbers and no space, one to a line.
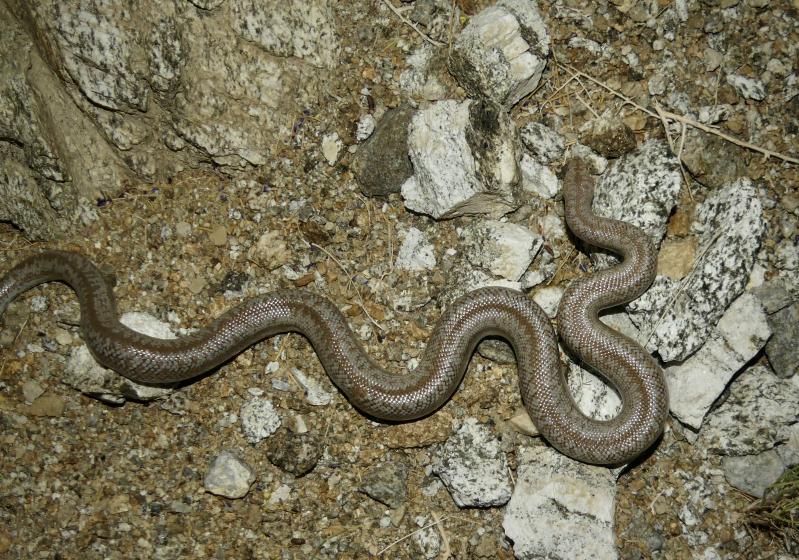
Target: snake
(401,397)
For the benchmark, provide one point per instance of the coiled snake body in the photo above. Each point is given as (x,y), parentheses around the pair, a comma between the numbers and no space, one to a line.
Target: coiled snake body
(485,312)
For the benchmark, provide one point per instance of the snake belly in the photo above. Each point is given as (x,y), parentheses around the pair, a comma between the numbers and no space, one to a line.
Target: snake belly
(632,372)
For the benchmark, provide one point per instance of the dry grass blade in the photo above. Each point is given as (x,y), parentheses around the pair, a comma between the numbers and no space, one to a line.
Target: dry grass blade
(778,510)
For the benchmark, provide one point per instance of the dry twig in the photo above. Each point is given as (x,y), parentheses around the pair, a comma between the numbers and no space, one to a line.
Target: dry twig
(661,114)
(412,25)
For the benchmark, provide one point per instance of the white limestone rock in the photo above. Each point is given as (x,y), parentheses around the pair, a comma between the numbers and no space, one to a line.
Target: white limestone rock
(730,227)
(538,178)
(419,80)
(314,392)
(696,383)
(473,467)
(503,248)
(229,476)
(464,161)
(416,253)
(548,298)
(759,414)
(560,508)
(753,473)
(331,147)
(545,145)
(82,372)
(748,88)
(259,419)
(501,53)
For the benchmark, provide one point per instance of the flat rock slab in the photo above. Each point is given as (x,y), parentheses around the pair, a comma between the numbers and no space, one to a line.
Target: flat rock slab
(561,509)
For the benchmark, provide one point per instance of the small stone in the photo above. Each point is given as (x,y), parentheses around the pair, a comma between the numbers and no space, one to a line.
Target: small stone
(548,298)
(365,128)
(331,146)
(218,236)
(381,164)
(538,178)
(387,483)
(229,477)
(473,467)
(676,258)
(502,51)
(428,539)
(753,473)
(47,405)
(271,250)
(118,504)
(748,88)
(464,160)
(609,136)
(712,59)
(197,285)
(523,424)
(545,144)
(183,229)
(503,248)
(416,252)
(62,336)
(774,295)
(316,395)
(259,420)
(293,452)
(782,348)
(31,390)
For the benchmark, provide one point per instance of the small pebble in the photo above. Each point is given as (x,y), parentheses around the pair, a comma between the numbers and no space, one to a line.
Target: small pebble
(218,236)
(183,229)
(229,477)
(259,420)
(31,390)
(387,483)
(294,453)
(47,405)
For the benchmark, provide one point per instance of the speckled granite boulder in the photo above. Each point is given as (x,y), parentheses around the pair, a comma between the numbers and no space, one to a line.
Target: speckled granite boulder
(730,226)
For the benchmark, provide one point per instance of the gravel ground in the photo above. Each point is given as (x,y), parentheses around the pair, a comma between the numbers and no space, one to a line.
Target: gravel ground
(80,478)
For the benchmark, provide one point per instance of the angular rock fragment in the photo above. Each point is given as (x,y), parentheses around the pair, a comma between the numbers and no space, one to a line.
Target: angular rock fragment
(696,383)
(560,508)
(610,136)
(768,405)
(502,52)
(387,483)
(503,248)
(229,476)
(682,315)
(641,188)
(545,144)
(416,252)
(464,158)
(82,372)
(473,467)
(538,178)
(782,350)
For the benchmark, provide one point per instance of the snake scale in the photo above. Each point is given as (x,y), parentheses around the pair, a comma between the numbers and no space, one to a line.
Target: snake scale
(635,375)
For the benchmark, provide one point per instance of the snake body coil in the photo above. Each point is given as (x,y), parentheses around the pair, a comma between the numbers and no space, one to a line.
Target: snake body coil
(484,312)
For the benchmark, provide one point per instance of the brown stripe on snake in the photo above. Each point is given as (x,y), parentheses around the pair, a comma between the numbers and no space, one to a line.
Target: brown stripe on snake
(394,397)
